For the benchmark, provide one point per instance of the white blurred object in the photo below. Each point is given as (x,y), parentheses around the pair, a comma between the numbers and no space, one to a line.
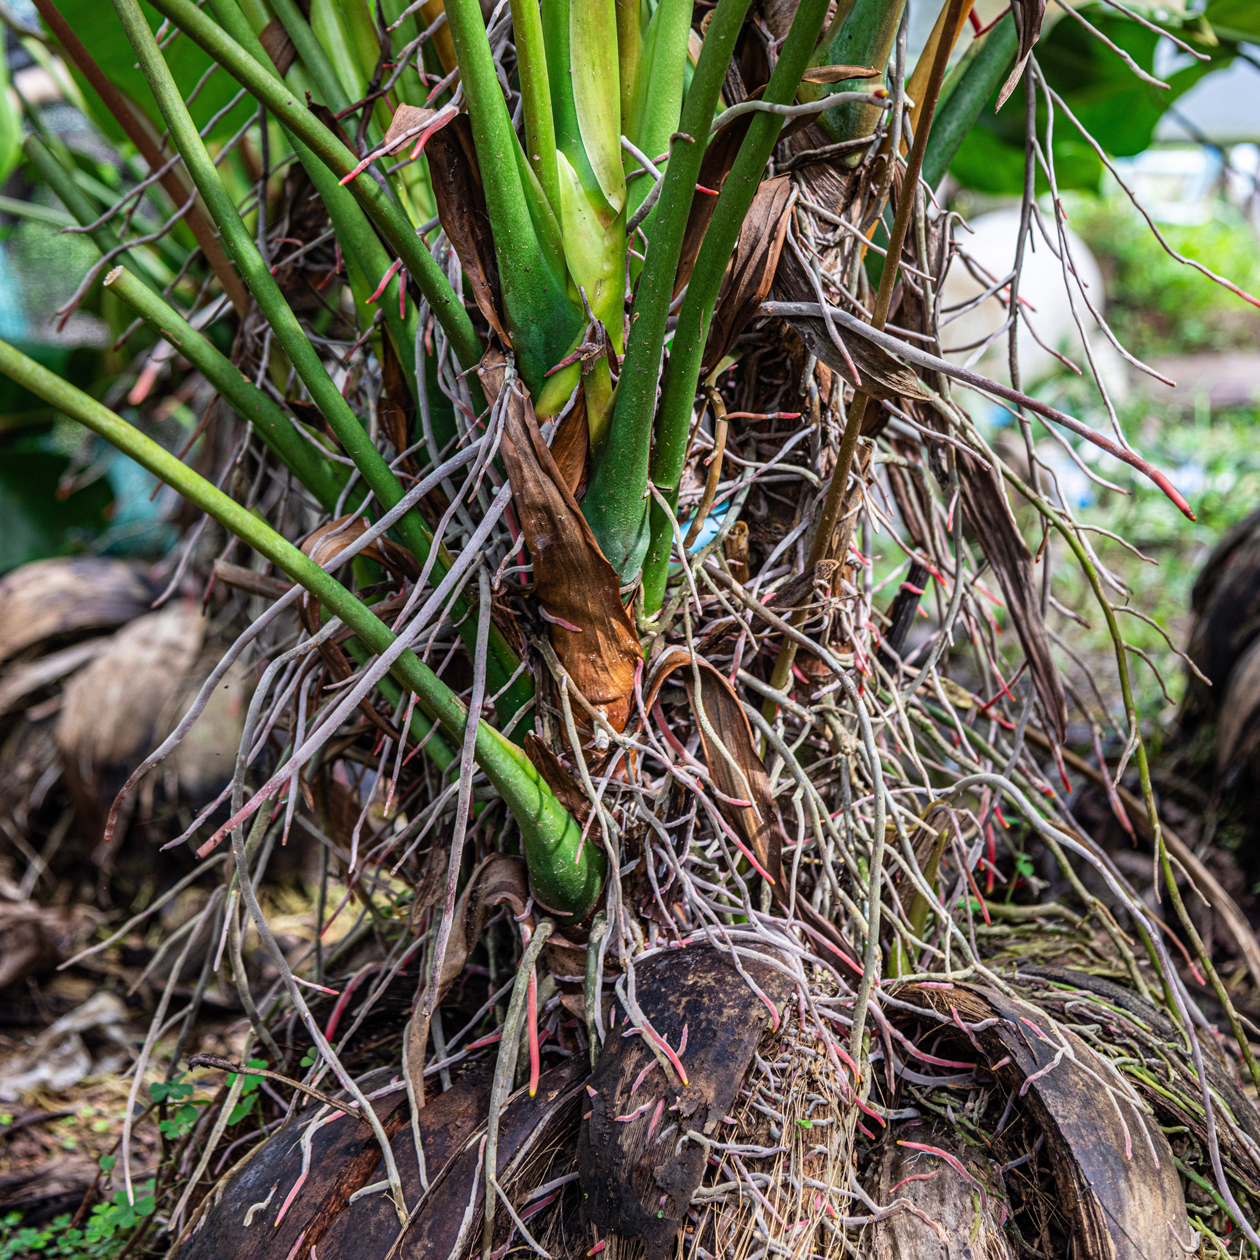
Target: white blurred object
(1221,108)
(1175,185)
(1044,303)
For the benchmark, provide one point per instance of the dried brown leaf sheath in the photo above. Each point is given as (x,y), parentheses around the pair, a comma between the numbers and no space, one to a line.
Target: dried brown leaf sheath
(590,629)
(397,407)
(752,269)
(882,376)
(461,207)
(984,502)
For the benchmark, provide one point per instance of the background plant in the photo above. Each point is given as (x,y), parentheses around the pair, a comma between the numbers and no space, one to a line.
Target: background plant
(551,652)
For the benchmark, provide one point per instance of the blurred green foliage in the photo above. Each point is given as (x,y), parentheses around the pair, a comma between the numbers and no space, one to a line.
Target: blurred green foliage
(1158,306)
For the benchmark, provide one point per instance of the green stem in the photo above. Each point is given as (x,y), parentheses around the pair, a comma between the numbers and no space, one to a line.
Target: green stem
(687,350)
(658,95)
(271,424)
(629,53)
(550,835)
(289,332)
(864,38)
(540,127)
(355,234)
(400,235)
(250,403)
(310,53)
(614,505)
(543,321)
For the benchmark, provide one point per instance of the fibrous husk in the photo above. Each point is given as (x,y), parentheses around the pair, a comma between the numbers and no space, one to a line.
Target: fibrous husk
(344,1158)
(939,1207)
(1114,1171)
(447,1218)
(49,599)
(204,759)
(535,1142)
(1240,1151)
(590,629)
(633,1183)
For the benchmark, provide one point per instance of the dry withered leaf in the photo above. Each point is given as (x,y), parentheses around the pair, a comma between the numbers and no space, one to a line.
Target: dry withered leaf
(325,542)
(984,502)
(461,207)
(278,46)
(632,1181)
(1029,15)
(838,74)
(567,789)
(882,376)
(947,1200)
(751,271)
(498,879)
(48,599)
(591,631)
(1114,1171)
(571,447)
(407,125)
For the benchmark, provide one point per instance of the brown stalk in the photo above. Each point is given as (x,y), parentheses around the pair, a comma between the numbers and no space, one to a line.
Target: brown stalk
(139,135)
(720,429)
(879,317)
(920,77)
